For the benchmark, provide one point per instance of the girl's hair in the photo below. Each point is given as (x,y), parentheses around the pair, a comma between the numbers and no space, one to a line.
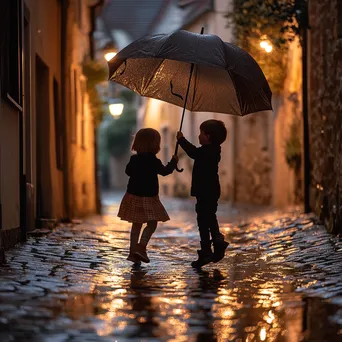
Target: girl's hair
(146,140)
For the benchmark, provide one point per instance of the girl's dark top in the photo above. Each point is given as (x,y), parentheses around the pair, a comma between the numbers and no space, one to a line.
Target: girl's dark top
(143,170)
(205,179)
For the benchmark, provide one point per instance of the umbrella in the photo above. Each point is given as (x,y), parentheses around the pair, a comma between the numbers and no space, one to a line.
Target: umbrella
(223,77)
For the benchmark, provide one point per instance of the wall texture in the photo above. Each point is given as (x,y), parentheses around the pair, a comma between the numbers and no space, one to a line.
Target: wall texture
(325,91)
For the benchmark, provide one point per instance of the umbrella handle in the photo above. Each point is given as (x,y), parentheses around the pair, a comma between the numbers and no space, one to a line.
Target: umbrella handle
(176,151)
(179,170)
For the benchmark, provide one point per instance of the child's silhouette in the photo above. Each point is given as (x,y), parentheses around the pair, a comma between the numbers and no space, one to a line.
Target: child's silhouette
(141,202)
(205,187)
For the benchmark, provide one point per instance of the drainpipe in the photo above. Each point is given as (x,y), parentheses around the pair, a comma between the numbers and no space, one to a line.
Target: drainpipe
(65,111)
(2,250)
(306,138)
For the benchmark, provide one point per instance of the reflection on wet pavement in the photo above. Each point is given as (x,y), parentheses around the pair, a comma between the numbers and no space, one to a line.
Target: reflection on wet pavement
(280,281)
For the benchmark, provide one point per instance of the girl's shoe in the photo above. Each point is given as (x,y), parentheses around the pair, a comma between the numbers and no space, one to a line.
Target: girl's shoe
(220,247)
(134,259)
(203,259)
(140,253)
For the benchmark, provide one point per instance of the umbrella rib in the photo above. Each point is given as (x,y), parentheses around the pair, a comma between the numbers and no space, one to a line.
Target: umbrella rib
(195,83)
(152,77)
(236,92)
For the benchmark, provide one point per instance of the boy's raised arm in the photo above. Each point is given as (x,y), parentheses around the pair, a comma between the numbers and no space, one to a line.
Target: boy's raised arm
(190,149)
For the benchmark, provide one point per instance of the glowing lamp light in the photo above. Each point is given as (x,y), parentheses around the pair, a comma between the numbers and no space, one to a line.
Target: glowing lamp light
(116,109)
(266,46)
(269,48)
(109,55)
(263,44)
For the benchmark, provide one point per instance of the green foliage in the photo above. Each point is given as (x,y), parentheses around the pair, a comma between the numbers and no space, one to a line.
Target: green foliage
(127,95)
(95,74)
(277,20)
(115,139)
(293,147)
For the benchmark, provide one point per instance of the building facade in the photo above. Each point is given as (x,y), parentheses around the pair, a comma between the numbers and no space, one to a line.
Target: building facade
(46,130)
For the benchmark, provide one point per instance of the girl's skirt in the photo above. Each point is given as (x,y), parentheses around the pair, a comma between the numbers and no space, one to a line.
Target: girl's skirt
(137,209)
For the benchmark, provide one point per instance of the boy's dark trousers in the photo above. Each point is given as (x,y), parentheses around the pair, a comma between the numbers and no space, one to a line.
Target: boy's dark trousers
(206,208)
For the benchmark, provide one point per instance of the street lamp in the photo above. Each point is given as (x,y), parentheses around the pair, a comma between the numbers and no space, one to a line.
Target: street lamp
(109,51)
(109,55)
(116,109)
(266,45)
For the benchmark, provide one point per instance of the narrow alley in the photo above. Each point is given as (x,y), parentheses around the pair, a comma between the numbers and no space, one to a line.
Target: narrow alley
(280,281)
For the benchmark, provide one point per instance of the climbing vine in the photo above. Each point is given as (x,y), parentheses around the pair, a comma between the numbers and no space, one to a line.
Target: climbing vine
(275,21)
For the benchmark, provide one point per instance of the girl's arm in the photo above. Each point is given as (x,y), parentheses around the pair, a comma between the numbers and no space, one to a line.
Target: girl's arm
(168,168)
(190,149)
(130,167)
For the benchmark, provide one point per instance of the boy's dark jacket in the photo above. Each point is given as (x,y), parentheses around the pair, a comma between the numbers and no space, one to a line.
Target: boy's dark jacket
(143,170)
(205,179)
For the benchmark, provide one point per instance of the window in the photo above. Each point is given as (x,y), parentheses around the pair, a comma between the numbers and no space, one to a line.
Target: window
(58,126)
(165,144)
(12,45)
(82,110)
(193,128)
(74,97)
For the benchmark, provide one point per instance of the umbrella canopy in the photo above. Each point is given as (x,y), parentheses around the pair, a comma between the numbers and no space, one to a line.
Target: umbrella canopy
(225,79)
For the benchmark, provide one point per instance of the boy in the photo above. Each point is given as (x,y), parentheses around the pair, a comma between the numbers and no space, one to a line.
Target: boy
(205,186)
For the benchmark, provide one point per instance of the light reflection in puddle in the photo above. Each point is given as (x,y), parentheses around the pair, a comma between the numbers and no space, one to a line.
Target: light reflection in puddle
(247,297)
(205,305)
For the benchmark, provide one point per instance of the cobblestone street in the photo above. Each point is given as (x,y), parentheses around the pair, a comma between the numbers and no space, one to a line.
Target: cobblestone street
(280,281)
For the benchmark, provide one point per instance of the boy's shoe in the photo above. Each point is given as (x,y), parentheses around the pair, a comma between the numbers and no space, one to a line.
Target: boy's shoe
(220,247)
(203,259)
(134,259)
(140,253)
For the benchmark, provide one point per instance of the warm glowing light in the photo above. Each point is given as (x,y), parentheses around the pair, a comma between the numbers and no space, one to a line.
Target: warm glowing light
(270,317)
(109,55)
(263,44)
(263,334)
(228,313)
(267,46)
(116,109)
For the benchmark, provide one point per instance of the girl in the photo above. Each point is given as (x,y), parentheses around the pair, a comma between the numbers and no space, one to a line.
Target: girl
(141,202)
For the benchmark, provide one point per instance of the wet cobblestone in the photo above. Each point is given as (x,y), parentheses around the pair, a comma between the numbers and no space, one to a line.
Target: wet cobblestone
(280,281)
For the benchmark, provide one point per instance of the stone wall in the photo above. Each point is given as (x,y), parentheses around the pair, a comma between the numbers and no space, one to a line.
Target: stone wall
(325,110)
(253,180)
(262,172)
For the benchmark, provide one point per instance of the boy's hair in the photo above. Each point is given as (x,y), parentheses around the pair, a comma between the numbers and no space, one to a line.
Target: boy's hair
(216,130)
(146,140)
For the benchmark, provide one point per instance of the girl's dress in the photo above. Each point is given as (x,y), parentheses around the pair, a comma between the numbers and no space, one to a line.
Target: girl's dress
(141,202)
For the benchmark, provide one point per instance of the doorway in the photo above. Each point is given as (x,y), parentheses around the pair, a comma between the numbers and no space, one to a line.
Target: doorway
(43,181)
